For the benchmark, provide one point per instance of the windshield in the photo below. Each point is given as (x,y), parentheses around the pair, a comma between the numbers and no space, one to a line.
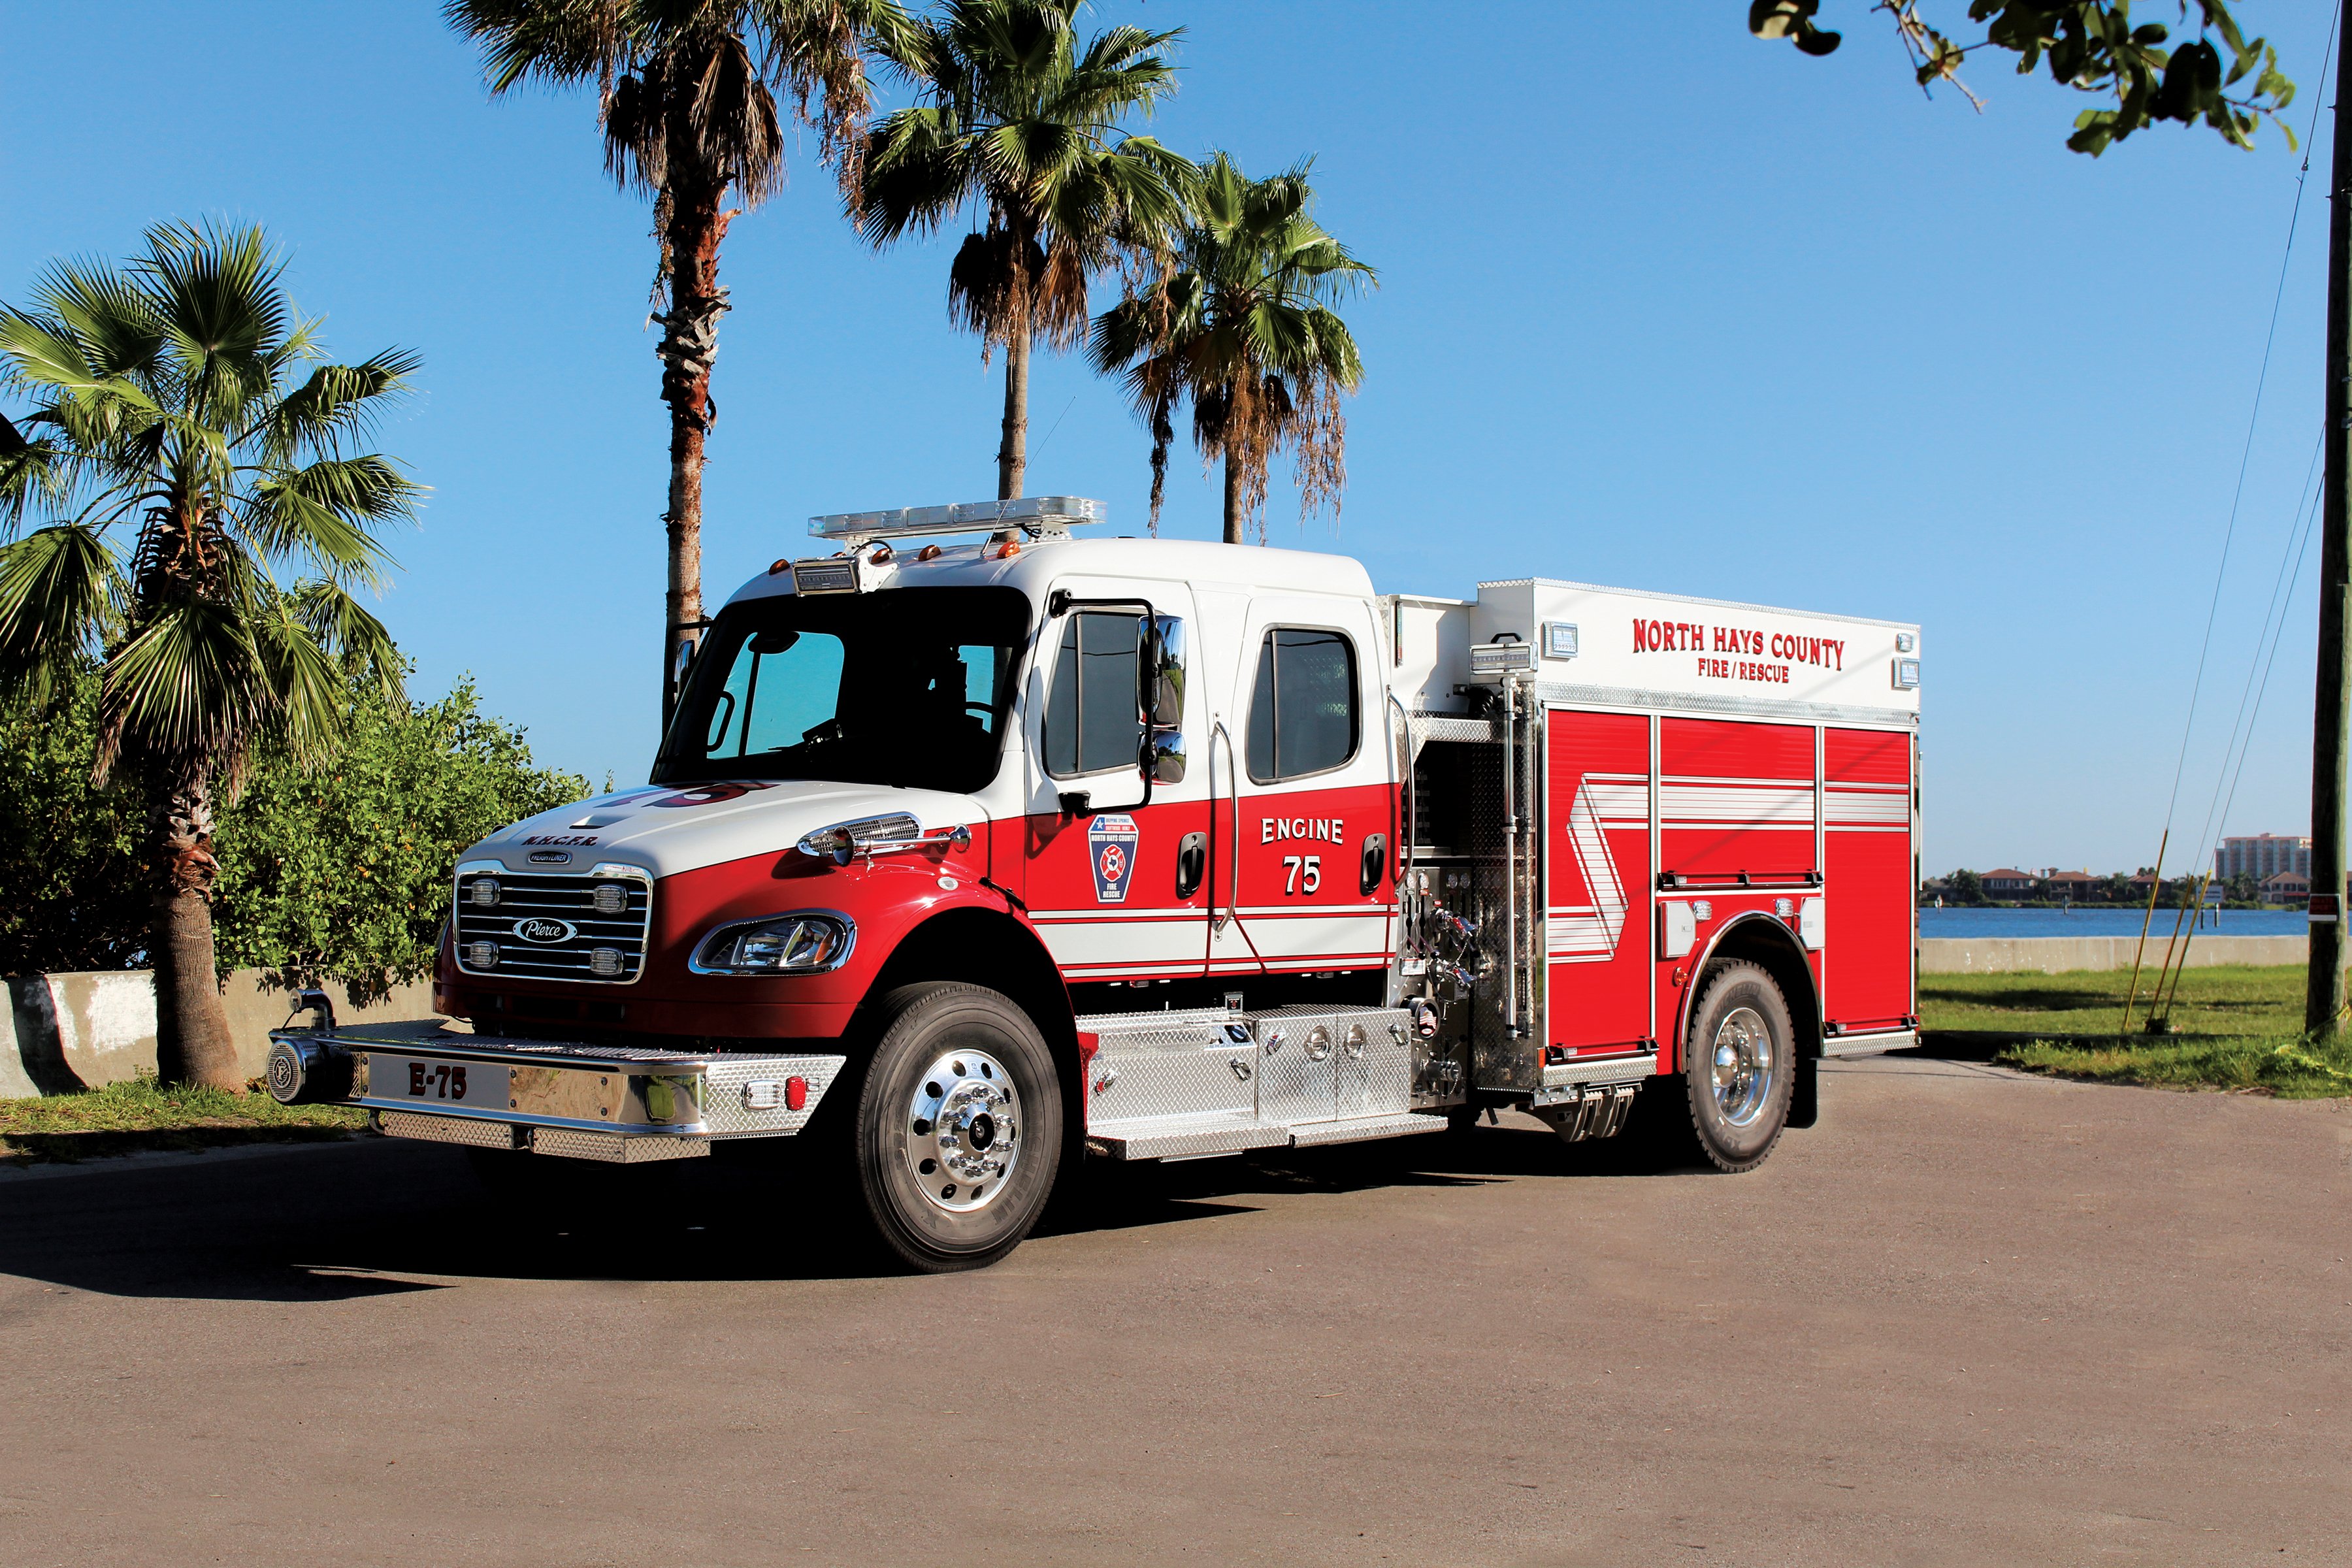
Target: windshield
(908,687)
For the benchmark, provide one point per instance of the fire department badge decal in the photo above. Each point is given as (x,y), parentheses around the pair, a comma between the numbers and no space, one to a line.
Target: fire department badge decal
(1110,849)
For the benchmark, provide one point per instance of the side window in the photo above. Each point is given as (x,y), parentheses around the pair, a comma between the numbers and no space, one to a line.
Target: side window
(1303,717)
(1092,722)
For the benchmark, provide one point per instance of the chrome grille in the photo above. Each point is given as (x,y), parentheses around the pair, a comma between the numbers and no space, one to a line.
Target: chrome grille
(602,946)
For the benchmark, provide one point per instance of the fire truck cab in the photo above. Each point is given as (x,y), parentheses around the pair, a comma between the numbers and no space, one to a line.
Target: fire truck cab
(971,862)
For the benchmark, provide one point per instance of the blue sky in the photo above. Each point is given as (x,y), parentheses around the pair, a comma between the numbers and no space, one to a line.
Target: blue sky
(1661,306)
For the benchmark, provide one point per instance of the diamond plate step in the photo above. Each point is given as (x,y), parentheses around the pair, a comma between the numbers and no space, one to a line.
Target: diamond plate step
(1181,1137)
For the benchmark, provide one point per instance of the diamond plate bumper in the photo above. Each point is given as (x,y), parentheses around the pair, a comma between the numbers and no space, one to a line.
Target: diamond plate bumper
(618,1103)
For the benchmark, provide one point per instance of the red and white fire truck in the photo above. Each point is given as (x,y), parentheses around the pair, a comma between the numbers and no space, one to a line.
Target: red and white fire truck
(974,862)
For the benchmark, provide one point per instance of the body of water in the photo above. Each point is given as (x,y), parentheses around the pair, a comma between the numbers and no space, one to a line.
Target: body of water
(2106,921)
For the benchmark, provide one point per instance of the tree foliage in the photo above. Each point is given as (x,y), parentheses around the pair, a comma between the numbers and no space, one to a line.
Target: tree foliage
(207,512)
(74,890)
(1242,324)
(689,99)
(2092,46)
(1018,125)
(341,871)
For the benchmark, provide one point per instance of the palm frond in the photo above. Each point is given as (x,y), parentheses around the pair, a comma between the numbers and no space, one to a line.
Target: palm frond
(165,395)
(60,590)
(114,326)
(307,691)
(322,513)
(338,401)
(44,355)
(1242,323)
(29,469)
(342,626)
(555,42)
(223,312)
(1016,120)
(189,682)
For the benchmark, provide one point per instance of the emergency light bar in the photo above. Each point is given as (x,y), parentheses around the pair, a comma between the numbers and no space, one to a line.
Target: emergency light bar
(1040,517)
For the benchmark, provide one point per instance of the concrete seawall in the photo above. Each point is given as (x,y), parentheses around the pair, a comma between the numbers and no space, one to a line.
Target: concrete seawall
(2057,954)
(68,1032)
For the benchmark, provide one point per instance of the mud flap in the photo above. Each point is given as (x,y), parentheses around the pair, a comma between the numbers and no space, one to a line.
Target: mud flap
(1804,1095)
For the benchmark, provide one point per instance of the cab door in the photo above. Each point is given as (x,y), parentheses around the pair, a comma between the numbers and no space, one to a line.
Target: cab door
(1116,868)
(1306,837)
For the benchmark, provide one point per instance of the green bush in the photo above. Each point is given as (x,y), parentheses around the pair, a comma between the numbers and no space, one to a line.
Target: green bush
(339,871)
(73,885)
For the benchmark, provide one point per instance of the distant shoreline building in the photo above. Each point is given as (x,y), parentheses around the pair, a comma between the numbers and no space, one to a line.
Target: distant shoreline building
(2285,887)
(2262,855)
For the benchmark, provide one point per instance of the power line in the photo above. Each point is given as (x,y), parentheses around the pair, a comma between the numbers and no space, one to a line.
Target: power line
(2273,631)
(2261,379)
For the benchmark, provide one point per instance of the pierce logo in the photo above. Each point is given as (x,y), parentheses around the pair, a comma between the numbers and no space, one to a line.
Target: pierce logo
(540,929)
(1110,845)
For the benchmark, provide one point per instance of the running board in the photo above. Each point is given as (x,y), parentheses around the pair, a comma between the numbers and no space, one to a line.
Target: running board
(1190,1137)
(1869,1045)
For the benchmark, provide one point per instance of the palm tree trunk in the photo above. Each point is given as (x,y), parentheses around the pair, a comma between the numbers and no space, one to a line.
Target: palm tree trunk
(689,344)
(1012,457)
(1233,496)
(192,1037)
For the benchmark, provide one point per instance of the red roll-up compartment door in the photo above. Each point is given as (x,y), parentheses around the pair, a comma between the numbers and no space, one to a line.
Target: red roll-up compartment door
(1867,827)
(1597,882)
(1735,798)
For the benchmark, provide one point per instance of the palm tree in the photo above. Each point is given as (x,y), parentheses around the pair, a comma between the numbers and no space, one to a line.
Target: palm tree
(1017,123)
(687,99)
(208,513)
(1242,323)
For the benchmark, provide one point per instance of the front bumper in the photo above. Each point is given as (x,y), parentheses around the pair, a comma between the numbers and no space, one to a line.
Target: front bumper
(618,1103)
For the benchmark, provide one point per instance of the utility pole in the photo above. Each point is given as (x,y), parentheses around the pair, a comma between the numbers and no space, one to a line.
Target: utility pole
(2331,715)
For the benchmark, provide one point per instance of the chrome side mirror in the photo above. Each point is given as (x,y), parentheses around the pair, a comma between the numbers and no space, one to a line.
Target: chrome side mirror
(1162,672)
(1163,756)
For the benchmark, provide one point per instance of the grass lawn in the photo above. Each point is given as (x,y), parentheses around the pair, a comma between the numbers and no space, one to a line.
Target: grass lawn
(131,1118)
(2235,1028)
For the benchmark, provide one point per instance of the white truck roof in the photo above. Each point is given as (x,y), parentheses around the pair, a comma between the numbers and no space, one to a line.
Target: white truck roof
(1039,564)
(1609,646)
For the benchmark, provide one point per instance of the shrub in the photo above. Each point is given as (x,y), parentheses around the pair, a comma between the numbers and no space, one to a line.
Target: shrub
(339,871)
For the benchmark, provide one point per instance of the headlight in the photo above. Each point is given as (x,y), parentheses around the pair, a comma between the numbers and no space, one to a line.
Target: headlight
(807,943)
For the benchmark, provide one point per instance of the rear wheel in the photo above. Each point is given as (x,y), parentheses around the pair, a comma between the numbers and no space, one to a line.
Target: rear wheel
(1730,1101)
(958,1126)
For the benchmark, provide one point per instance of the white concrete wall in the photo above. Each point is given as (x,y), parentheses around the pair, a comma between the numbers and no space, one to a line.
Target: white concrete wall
(62,1033)
(2057,954)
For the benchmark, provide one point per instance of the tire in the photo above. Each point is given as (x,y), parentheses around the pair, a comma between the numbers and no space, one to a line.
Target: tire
(1729,1103)
(958,1133)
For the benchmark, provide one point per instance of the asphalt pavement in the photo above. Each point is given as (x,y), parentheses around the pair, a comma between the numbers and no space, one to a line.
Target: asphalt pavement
(1972,1318)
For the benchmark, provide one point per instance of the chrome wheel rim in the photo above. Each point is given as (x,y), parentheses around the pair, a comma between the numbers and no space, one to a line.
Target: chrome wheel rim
(963,1132)
(1744,1065)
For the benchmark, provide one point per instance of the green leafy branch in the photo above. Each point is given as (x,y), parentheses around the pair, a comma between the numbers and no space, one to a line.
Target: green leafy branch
(2220,78)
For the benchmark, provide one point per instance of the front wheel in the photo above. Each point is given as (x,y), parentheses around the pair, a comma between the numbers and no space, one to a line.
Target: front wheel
(959,1129)
(1730,1101)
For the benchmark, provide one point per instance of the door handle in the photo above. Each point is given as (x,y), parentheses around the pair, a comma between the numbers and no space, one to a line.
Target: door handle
(1191,863)
(1375,863)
